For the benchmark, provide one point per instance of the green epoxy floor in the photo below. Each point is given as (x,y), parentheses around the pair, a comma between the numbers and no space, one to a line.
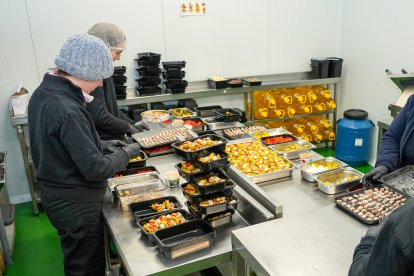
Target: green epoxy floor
(37,247)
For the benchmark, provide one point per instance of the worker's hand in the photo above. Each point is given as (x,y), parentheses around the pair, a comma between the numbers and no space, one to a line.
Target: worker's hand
(141,126)
(374,230)
(375,174)
(132,150)
(132,130)
(111,146)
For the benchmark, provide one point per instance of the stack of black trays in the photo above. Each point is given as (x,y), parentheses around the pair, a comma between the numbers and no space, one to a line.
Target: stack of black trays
(120,80)
(148,74)
(173,75)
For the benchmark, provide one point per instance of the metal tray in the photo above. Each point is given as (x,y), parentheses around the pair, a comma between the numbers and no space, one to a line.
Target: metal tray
(267,176)
(184,116)
(327,161)
(140,210)
(271,132)
(185,238)
(295,153)
(401,179)
(280,135)
(158,153)
(212,124)
(136,178)
(139,136)
(140,223)
(221,221)
(336,175)
(356,215)
(136,192)
(196,198)
(245,129)
(193,155)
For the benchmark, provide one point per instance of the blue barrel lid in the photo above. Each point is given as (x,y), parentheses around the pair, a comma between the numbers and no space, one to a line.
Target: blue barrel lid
(355,114)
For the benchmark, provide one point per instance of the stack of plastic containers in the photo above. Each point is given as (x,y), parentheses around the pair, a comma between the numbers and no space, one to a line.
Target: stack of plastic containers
(173,75)
(148,74)
(208,189)
(119,80)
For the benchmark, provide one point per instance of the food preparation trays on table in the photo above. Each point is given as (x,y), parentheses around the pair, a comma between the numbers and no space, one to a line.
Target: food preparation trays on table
(181,110)
(227,115)
(371,211)
(213,124)
(293,154)
(133,164)
(243,132)
(203,211)
(140,210)
(326,162)
(189,176)
(206,111)
(159,150)
(269,132)
(212,165)
(150,236)
(401,179)
(220,219)
(140,191)
(267,176)
(139,137)
(337,181)
(185,238)
(136,178)
(288,137)
(198,197)
(193,155)
(195,120)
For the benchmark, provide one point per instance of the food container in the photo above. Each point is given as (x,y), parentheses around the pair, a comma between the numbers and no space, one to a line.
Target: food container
(153,70)
(119,69)
(135,178)
(207,111)
(219,219)
(143,209)
(2,175)
(387,199)
(269,132)
(291,150)
(162,137)
(150,236)
(337,181)
(182,112)
(150,57)
(234,83)
(310,170)
(193,155)
(401,179)
(206,132)
(185,238)
(2,157)
(159,150)
(173,64)
(279,139)
(195,124)
(139,163)
(119,79)
(155,116)
(210,188)
(230,203)
(173,74)
(190,177)
(242,132)
(143,170)
(209,166)
(213,124)
(176,83)
(222,84)
(148,79)
(252,81)
(136,192)
(227,115)
(149,90)
(172,179)
(198,197)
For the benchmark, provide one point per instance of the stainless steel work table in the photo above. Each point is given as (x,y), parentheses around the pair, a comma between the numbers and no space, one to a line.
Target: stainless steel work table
(314,237)
(140,258)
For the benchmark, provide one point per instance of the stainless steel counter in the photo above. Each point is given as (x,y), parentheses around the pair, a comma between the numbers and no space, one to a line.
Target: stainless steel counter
(314,237)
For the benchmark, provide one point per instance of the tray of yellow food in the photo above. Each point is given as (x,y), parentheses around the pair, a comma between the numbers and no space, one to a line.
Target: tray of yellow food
(310,170)
(292,150)
(258,162)
(269,132)
(338,181)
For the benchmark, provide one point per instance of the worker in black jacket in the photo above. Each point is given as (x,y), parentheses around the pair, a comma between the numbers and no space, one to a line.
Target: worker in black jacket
(387,249)
(67,152)
(109,121)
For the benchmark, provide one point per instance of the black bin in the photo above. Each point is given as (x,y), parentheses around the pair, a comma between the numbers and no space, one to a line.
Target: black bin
(335,67)
(320,68)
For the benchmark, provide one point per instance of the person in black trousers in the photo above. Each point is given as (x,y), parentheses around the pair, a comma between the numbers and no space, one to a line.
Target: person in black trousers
(71,169)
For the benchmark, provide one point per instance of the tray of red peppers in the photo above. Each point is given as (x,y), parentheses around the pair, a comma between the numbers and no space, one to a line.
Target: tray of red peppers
(278,139)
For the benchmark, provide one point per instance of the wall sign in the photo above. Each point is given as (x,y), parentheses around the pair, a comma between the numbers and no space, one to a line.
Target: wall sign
(191,7)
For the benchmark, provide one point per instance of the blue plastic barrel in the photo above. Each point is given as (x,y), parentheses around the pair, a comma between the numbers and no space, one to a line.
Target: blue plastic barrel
(353,137)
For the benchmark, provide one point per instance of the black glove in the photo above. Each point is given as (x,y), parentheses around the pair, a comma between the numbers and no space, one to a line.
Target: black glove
(132,150)
(132,130)
(111,146)
(141,126)
(374,230)
(376,174)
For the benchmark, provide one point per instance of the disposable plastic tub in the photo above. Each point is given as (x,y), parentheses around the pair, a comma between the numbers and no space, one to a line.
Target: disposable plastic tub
(173,64)
(207,111)
(149,56)
(218,84)
(210,188)
(190,177)
(252,81)
(147,63)
(227,115)
(193,155)
(196,120)
(149,79)
(135,178)
(150,69)
(185,238)
(143,209)
(138,164)
(209,166)
(119,79)
(119,70)
(159,150)
(234,83)
(220,219)
(150,236)
(149,90)
(174,72)
(198,197)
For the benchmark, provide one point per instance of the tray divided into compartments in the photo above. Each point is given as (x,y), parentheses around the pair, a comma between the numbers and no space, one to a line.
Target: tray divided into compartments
(150,236)
(227,115)
(342,203)
(139,163)
(143,209)
(193,155)
(337,181)
(197,197)
(401,179)
(219,219)
(185,238)
(278,139)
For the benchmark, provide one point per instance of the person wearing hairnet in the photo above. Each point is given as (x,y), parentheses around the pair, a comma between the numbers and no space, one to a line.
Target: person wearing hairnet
(109,121)
(71,169)
(387,249)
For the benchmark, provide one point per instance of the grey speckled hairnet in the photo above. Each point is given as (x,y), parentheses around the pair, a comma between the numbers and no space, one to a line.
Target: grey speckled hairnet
(111,34)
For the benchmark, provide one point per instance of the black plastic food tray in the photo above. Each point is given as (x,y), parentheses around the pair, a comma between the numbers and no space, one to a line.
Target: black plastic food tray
(190,177)
(207,111)
(140,223)
(155,70)
(119,70)
(219,222)
(195,119)
(119,79)
(149,79)
(197,198)
(185,238)
(217,208)
(370,222)
(142,209)
(173,74)
(147,62)
(241,136)
(149,56)
(158,153)
(221,115)
(173,64)
(193,155)
(176,90)
(149,90)
(136,171)
(235,85)
(252,83)
(147,74)
(121,96)
(138,164)
(217,84)
(281,135)
(222,162)
(176,83)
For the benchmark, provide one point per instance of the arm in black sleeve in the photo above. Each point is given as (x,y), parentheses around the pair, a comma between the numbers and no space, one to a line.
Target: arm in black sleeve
(102,118)
(125,117)
(75,134)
